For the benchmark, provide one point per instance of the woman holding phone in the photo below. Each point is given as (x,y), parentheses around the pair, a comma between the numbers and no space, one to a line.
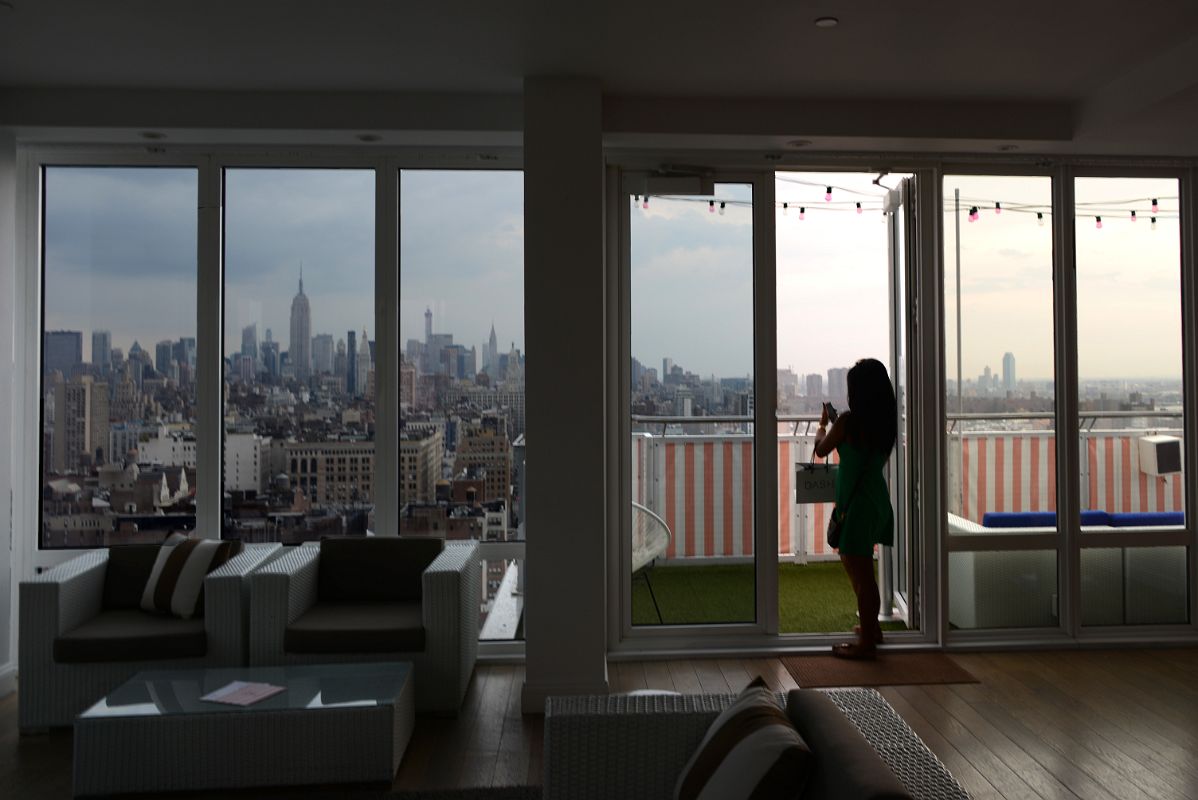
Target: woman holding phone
(863,436)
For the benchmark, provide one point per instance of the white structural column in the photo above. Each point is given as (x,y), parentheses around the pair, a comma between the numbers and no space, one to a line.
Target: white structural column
(8,315)
(566,604)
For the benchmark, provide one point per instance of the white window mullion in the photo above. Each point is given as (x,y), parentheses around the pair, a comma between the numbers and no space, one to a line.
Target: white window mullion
(209,358)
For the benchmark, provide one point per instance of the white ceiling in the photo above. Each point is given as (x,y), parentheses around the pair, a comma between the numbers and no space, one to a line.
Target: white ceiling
(1127,70)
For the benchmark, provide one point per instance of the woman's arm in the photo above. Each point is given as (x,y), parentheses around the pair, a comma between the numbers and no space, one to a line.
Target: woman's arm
(828,440)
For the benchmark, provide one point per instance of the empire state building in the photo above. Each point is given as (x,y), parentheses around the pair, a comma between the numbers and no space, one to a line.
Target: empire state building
(300,348)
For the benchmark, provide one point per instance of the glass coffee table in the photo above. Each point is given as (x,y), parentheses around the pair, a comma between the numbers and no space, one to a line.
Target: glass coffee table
(333,723)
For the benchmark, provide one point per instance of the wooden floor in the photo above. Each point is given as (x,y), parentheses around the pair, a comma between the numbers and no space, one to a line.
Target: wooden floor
(1093,725)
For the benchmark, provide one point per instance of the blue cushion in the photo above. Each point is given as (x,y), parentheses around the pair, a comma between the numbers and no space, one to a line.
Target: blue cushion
(1019,519)
(1044,519)
(1144,519)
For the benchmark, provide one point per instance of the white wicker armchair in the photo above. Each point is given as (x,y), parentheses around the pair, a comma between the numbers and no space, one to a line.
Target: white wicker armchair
(61,599)
(449,609)
(609,747)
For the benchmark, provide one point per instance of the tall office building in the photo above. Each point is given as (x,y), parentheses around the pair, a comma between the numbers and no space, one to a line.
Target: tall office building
(102,351)
(351,363)
(815,385)
(492,357)
(185,352)
(364,365)
(838,386)
(249,341)
(483,443)
(80,423)
(300,347)
(163,356)
(270,358)
(1008,372)
(322,353)
(61,351)
(428,325)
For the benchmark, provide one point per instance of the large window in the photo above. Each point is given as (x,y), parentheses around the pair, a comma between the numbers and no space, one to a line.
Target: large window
(1130,398)
(462,370)
(118,354)
(299,354)
(1001,388)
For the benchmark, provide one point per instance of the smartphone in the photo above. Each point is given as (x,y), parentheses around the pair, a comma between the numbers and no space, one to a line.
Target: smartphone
(832,412)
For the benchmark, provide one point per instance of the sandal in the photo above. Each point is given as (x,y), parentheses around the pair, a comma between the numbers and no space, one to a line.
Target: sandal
(877,639)
(854,651)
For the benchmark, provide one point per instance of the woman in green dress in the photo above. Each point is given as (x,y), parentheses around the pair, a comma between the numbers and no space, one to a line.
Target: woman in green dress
(864,436)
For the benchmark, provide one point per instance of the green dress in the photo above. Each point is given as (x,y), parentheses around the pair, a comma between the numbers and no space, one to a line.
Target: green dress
(870,519)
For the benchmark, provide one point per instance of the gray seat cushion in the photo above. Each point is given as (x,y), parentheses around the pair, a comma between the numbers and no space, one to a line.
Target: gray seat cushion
(846,765)
(131,635)
(357,628)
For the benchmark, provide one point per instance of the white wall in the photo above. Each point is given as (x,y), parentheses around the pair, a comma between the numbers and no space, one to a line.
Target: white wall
(8,261)
(566,603)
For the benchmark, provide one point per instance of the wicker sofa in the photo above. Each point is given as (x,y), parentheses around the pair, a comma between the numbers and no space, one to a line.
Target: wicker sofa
(76,644)
(307,609)
(635,746)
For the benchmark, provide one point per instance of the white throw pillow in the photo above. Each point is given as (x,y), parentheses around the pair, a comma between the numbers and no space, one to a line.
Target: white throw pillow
(178,576)
(751,750)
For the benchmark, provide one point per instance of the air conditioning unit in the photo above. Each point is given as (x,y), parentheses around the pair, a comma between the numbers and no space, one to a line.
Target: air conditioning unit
(1160,455)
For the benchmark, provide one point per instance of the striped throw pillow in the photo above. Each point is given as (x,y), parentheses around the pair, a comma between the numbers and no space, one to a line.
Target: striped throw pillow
(751,751)
(176,582)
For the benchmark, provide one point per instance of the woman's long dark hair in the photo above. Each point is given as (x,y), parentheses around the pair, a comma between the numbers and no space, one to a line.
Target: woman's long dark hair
(873,423)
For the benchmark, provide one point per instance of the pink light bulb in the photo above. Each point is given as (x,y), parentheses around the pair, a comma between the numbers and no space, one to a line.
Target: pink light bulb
(802,213)
(1098,223)
(828,194)
(710,206)
(1133,216)
(645,204)
(858,208)
(1155,206)
(971,217)
(998,208)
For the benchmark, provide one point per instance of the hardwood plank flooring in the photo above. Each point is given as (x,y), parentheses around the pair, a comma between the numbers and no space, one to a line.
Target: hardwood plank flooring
(1071,725)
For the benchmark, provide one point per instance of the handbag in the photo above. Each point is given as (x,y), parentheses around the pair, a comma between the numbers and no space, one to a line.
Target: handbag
(815,483)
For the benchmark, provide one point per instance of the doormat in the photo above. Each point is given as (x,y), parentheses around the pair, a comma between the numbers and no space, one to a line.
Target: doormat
(888,669)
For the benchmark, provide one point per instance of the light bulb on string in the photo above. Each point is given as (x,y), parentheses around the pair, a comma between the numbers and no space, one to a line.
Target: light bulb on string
(883,216)
(785,206)
(858,208)
(1153,221)
(636,199)
(721,208)
(1133,216)
(828,194)
(710,206)
(645,204)
(998,208)
(802,213)
(1040,218)
(1155,206)
(1098,223)
(973,214)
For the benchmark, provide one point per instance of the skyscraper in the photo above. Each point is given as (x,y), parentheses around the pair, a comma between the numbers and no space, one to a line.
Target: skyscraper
(102,350)
(1008,372)
(428,325)
(364,364)
(249,341)
(351,363)
(492,356)
(322,353)
(163,356)
(299,349)
(80,423)
(62,350)
(838,385)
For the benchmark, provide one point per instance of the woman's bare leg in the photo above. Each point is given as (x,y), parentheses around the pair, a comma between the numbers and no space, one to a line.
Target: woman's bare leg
(860,570)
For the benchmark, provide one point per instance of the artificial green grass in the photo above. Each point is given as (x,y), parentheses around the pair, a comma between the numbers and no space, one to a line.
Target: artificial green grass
(812,598)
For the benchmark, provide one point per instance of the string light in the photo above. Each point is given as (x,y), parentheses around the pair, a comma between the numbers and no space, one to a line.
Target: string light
(828,194)
(721,208)
(1040,218)
(973,214)
(784,207)
(1153,221)
(1133,216)
(710,206)
(998,208)
(645,205)
(1098,223)
(858,208)
(1155,206)
(802,213)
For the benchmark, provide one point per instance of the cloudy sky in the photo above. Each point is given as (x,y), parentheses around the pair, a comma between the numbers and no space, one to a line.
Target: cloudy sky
(121,243)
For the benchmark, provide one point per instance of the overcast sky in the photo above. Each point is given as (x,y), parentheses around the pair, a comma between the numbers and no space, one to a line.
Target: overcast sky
(121,254)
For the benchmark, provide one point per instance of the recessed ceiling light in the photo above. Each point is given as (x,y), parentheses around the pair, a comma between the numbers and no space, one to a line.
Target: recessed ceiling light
(798,143)
(152,135)
(1006,148)
(826,22)
(369,137)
